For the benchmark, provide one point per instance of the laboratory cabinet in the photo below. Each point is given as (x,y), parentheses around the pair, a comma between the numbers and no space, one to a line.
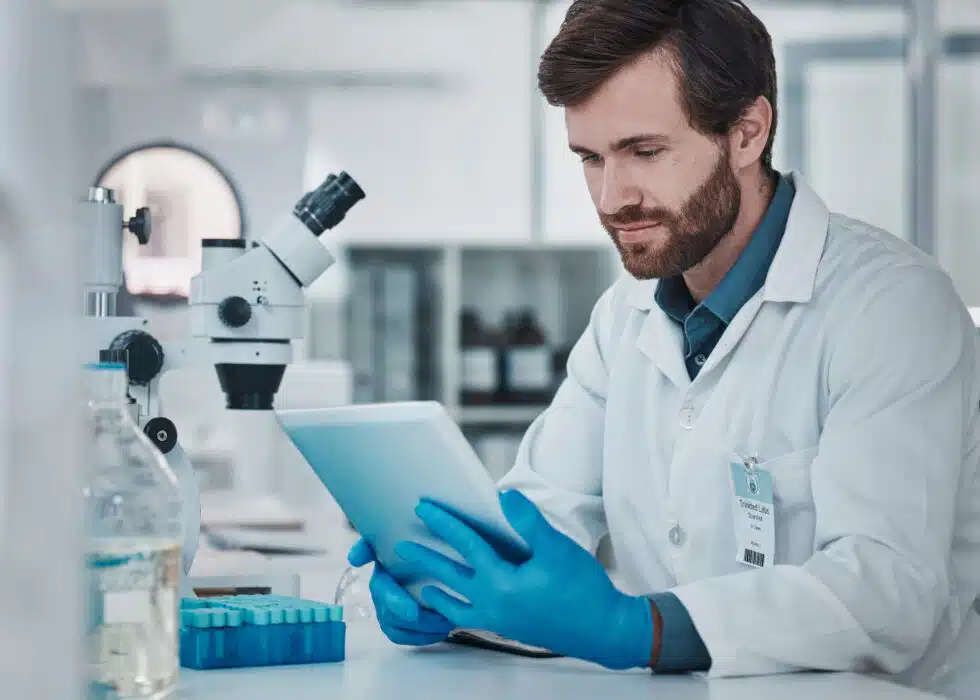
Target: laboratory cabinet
(484,329)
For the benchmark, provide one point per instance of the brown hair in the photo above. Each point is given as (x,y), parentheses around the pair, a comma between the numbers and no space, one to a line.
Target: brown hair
(722,54)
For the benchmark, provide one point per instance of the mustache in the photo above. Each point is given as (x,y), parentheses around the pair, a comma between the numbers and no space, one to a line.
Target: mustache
(635,214)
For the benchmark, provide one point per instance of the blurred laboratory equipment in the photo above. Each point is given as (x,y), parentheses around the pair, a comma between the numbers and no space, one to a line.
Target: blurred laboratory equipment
(528,376)
(392,329)
(397,313)
(191,199)
(246,305)
(479,347)
(132,546)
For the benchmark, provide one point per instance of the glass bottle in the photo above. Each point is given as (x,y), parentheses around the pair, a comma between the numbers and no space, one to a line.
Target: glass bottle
(132,547)
(478,376)
(528,360)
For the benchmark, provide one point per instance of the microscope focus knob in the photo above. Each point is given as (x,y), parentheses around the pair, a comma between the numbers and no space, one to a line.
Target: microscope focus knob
(234,312)
(162,432)
(140,225)
(145,355)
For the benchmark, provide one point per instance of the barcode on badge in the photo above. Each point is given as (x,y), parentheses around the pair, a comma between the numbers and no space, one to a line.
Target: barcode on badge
(754,558)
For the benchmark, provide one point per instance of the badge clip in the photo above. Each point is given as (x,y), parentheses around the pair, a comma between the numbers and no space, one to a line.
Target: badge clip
(751,476)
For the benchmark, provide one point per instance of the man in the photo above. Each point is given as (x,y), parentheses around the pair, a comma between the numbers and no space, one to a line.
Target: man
(773,417)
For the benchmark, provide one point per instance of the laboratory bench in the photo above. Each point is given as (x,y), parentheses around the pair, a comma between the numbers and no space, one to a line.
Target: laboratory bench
(377,669)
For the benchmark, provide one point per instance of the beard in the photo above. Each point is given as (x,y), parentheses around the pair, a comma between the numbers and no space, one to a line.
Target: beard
(689,234)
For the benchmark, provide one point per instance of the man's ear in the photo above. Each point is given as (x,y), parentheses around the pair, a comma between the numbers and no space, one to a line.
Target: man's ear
(749,136)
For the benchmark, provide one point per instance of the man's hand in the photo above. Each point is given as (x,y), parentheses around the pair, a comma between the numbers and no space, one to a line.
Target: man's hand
(401,618)
(561,599)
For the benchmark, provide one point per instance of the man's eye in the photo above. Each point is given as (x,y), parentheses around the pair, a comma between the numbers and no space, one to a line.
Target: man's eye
(649,153)
(590,158)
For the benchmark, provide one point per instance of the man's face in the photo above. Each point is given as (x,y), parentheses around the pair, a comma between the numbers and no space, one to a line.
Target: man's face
(665,193)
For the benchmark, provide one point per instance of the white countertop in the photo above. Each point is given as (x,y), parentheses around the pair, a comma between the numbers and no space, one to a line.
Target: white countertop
(377,669)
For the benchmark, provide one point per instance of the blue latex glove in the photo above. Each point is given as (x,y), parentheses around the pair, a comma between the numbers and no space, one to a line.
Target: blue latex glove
(401,618)
(561,599)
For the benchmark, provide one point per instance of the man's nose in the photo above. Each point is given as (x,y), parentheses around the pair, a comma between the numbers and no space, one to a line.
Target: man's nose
(618,190)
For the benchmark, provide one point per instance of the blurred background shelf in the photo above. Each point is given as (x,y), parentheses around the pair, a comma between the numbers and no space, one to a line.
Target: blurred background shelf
(505,416)
(485,329)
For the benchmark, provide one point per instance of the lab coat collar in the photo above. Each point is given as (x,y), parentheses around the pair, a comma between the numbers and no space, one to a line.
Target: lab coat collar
(793,272)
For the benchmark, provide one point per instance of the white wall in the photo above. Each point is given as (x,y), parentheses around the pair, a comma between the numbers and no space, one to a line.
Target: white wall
(267,167)
(451,163)
(300,35)
(959,15)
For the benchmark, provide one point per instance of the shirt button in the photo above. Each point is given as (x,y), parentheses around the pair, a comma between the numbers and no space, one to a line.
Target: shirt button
(700,359)
(687,417)
(676,535)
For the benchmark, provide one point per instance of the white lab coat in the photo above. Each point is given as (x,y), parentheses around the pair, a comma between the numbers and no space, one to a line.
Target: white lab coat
(853,377)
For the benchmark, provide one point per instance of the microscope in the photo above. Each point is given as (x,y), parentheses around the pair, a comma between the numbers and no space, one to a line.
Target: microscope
(247,305)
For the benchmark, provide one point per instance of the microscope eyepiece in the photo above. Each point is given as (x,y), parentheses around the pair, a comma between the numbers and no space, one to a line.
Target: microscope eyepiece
(327,205)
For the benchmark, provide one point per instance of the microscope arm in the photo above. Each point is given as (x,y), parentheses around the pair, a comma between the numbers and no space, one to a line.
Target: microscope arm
(165,435)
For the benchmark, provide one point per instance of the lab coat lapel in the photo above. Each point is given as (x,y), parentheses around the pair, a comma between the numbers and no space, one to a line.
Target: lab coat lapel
(792,274)
(733,334)
(660,339)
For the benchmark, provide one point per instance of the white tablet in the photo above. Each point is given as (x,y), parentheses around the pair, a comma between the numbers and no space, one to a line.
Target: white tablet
(380,460)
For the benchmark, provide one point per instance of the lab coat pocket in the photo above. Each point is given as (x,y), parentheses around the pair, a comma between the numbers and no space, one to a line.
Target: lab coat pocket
(793,505)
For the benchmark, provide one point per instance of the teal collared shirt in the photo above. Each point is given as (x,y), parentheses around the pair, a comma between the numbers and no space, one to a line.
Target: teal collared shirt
(704,323)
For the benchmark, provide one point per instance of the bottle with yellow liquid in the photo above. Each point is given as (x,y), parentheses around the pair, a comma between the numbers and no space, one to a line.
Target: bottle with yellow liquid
(132,554)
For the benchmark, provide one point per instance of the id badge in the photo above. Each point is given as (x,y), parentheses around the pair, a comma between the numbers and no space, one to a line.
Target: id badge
(753,512)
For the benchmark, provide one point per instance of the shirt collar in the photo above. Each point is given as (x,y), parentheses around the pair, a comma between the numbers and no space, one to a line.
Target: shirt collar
(673,296)
(748,274)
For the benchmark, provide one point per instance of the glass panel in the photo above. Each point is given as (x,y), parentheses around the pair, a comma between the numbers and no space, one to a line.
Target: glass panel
(857,152)
(843,115)
(958,156)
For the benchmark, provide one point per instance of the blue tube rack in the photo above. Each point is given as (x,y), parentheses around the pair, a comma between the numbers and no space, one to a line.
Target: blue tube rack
(259,630)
